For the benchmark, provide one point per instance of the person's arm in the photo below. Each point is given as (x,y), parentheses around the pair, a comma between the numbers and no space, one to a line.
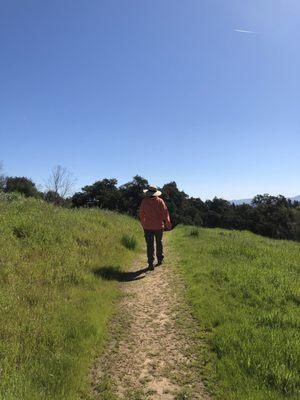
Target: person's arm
(166,216)
(142,213)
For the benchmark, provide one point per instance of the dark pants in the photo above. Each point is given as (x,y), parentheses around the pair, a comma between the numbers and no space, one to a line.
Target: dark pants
(149,236)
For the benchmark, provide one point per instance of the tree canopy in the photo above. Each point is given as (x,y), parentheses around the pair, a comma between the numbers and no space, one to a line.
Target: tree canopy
(22,185)
(272,216)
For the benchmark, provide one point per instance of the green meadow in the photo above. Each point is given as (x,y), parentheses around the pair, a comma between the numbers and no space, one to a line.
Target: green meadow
(245,294)
(55,302)
(53,305)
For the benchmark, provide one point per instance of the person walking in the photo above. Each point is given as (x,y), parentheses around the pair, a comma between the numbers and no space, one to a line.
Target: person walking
(154,217)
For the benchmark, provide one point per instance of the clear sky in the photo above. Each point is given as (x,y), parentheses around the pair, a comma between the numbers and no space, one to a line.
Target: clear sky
(168,89)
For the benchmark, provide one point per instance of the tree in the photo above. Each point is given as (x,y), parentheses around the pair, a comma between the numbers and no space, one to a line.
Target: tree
(22,185)
(272,216)
(53,197)
(193,211)
(245,217)
(102,194)
(296,224)
(60,182)
(267,200)
(176,201)
(131,195)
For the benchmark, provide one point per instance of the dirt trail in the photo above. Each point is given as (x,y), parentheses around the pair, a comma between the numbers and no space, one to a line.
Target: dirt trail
(149,354)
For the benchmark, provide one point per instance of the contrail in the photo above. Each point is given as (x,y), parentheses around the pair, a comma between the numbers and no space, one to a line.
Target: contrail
(244,31)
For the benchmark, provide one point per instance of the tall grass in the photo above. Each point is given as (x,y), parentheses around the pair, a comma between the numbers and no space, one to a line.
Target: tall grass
(245,293)
(53,308)
(129,241)
(194,232)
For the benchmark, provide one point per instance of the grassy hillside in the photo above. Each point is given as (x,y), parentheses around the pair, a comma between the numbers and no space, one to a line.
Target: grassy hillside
(245,293)
(53,306)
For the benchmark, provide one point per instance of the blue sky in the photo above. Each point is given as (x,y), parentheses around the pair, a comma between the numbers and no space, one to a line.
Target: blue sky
(166,89)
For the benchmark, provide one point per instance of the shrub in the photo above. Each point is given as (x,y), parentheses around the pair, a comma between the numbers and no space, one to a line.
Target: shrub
(22,185)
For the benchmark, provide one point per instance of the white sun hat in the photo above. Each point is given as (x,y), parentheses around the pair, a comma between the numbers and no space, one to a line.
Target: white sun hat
(152,191)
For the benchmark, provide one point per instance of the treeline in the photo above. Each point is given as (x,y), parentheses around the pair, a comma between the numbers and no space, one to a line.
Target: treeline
(272,216)
(276,217)
(57,188)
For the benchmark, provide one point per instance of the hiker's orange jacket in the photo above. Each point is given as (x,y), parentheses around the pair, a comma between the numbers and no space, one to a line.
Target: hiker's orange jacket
(154,213)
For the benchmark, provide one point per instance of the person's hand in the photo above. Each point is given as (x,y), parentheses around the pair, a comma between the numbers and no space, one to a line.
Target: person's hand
(168,227)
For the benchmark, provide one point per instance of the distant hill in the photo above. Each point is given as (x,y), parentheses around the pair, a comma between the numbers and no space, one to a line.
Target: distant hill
(248,201)
(241,201)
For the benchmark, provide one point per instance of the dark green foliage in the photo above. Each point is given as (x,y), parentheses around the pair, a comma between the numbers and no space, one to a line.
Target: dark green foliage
(276,217)
(175,200)
(296,224)
(21,185)
(54,198)
(104,194)
(131,195)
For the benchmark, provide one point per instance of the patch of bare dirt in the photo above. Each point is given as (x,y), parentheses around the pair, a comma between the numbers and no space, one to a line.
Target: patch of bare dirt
(149,355)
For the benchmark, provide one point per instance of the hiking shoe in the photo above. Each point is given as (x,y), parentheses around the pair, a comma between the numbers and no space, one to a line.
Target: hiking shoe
(159,263)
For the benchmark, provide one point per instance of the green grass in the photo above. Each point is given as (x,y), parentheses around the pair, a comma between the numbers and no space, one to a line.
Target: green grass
(245,294)
(129,241)
(194,232)
(53,306)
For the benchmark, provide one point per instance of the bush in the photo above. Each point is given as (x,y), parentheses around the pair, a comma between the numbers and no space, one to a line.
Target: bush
(22,185)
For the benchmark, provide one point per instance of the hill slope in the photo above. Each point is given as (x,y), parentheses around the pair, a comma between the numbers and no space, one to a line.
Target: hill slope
(249,201)
(244,290)
(53,307)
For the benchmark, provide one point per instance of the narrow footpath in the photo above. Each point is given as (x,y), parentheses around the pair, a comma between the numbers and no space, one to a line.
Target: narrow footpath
(150,353)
